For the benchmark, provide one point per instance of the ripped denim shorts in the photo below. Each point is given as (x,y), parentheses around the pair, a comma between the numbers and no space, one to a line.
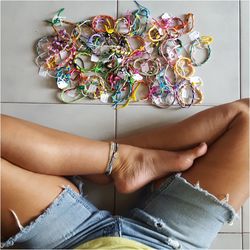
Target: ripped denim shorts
(178,215)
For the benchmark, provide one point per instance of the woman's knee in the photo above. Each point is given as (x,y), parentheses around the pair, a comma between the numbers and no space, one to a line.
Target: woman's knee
(237,112)
(241,121)
(242,105)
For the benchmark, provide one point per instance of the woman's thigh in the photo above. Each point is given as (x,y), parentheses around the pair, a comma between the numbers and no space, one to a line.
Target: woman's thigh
(192,208)
(224,170)
(49,211)
(26,193)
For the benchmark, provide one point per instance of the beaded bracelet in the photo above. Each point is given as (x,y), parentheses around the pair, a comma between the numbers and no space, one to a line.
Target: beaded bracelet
(122,93)
(188,22)
(162,95)
(148,67)
(77,95)
(93,87)
(198,96)
(119,29)
(166,76)
(79,59)
(198,44)
(169,52)
(106,24)
(175,27)
(183,85)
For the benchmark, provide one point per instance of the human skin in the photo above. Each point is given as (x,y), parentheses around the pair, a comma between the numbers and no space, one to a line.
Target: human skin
(225,168)
(40,157)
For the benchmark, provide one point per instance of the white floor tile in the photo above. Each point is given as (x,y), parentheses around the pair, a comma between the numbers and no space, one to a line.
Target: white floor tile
(102,196)
(136,118)
(227,241)
(20,79)
(126,202)
(221,72)
(246,241)
(246,216)
(94,122)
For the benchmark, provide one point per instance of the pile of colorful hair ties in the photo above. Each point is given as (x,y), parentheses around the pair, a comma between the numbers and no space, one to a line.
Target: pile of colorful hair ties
(116,60)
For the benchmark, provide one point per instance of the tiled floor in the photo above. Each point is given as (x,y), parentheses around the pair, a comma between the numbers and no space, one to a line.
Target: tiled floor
(26,95)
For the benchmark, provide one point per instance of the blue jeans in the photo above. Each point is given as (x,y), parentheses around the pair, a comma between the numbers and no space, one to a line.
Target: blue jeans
(178,215)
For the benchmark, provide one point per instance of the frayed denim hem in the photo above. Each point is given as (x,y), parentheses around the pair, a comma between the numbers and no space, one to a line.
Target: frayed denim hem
(24,230)
(223,202)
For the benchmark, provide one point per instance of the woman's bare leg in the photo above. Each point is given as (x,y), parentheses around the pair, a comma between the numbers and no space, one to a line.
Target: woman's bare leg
(27,194)
(48,151)
(225,168)
(30,151)
(207,126)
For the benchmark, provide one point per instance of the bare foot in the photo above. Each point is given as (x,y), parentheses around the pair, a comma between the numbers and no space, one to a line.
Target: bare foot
(136,167)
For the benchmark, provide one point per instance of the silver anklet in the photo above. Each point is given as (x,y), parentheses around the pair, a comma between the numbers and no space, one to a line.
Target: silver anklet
(113,154)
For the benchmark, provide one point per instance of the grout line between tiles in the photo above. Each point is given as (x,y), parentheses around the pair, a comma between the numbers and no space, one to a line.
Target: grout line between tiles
(230,233)
(242,226)
(117,8)
(243,241)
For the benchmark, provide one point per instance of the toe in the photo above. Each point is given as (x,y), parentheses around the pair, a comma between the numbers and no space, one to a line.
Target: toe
(200,150)
(197,151)
(187,157)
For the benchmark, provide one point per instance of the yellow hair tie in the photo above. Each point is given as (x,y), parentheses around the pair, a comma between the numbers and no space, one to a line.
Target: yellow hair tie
(109,29)
(178,67)
(206,40)
(199,95)
(158,36)
(132,97)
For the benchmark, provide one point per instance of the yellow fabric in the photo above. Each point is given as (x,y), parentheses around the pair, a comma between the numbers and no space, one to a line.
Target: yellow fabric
(113,243)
